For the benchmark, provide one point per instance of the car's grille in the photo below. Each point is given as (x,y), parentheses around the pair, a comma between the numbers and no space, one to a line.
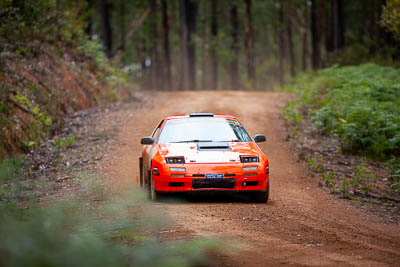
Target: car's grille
(228,183)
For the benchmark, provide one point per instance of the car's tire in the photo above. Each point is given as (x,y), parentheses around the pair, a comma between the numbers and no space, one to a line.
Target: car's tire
(261,196)
(141,173)
(152,193)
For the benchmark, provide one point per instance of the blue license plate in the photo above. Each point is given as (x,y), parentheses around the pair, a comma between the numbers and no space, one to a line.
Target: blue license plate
(214,175)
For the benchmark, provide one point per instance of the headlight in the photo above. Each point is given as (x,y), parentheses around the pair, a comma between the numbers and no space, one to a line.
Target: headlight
(253,168)
(177,169)
(245,159)
(175,160)
(267,170)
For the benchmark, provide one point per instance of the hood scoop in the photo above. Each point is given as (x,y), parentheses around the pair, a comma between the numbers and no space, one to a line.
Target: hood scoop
(213,146)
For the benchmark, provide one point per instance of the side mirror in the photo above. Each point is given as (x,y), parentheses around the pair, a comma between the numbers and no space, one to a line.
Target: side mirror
(148,140)
(259,138)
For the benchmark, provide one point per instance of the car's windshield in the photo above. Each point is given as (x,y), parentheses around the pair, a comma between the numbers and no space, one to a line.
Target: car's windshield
(204,129)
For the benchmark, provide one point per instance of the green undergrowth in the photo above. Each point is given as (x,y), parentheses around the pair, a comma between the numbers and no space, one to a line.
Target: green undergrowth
(10,169)
(360,105)
(91,228)
(41,40)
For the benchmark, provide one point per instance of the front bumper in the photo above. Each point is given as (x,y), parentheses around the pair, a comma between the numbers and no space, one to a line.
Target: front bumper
(166,183)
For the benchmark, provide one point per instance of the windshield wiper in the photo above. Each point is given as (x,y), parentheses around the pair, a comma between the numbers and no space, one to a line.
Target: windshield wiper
(193,141)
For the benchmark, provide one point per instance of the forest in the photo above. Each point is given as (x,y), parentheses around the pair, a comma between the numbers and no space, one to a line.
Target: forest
(189,45)
(236,44)
(82,80)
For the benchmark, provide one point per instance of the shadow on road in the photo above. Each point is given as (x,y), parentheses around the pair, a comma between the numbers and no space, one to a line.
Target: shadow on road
(206,197)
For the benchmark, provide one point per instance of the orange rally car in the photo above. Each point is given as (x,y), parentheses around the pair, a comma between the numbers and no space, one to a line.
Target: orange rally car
(203,151)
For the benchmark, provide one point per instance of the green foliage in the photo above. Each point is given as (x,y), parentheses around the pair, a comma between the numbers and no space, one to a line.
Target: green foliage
(22,188)
(65,142)
(362,174)
(291,113)
(94,49)
(390,19)
(30,145)
(395,185)
(319,168)
(15,185)
(366,189)
(314,165)
(358,104)
(328,179)
(311,162)
(344,188)
(394,166)
(23,22)
(10,168)
(76,233)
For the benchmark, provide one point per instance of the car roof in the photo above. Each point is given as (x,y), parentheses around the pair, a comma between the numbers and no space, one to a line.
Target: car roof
(197,115)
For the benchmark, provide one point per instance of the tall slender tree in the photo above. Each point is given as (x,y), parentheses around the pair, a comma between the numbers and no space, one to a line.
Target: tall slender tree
(122,23)
(249,43)
(204,69)
(305,52)
(281,44)
(156,76)
(372,26)
(167,52)
(191,11)
(337,25)
(290,46)
(105,14)
(213,55)
(234,72)
(185,83)
(89,26)
(316,35)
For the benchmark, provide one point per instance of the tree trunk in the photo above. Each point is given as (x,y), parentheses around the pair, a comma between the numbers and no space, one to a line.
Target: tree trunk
(281,44)
(372,27)
(155,62)
(322,23)
(122,21)
(185,85)
(329,29)
(292,59)
(140,46)
(249,44)
(234,74)
(106,26)
(89,25)
(167,52)
(213,56)
(316,35)
(342,26)
(305,39)
(204,70)
(191,12)
(337,25)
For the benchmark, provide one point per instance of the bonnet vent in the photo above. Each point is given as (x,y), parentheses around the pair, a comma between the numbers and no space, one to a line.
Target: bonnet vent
(201,115)
(213,146)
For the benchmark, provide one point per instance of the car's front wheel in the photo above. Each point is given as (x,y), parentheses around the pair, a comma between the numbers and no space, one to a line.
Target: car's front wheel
(141,172)
(152,193)
(261,196)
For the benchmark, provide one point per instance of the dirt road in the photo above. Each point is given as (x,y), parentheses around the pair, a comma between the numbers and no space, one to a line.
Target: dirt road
(301,225)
